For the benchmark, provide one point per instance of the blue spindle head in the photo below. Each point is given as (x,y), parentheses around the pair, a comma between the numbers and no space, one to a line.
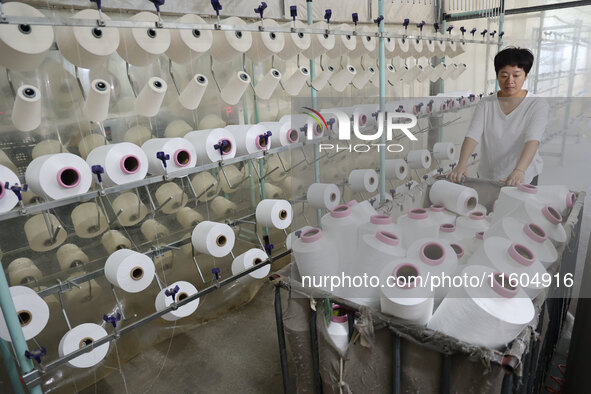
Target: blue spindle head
(436,27)
(172,292)
(378,20)
(331,122)
(293,11)
(501,34)
(462,29)
(406,23)
(216,272)
(298,233)
(36,354)
(483,33)
(449,29)
(261,9)
(98,4)
(269,248)
(420,25)
(425,177)
(440,170)
(17,189)
(392,192)
(157,4)
(264,138)
(355,17)
(98,171)
(163,157)
(327,15)
(474,30)
(112,319)
(217,7)
(221,146)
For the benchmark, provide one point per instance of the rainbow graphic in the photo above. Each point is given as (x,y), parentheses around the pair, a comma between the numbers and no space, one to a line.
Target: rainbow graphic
(317,117)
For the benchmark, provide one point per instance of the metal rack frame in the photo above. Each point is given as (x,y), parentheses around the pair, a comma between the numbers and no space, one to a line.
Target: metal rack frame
(32,377)
(57,21)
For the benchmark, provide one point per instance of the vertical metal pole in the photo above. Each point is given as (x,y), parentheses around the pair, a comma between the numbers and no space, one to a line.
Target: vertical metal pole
(253,201)
(486,64)
(442,83)
(382,67)
(571,83)
(397,364)
(9,363)
(507,385)
(315,354)
(539,52)
(443,27)
(446,374)
(434,89)
(500,39)
(309,13)
(281,339)
(14,329)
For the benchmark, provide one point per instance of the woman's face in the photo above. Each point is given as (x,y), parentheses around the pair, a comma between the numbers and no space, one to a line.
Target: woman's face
(511,80)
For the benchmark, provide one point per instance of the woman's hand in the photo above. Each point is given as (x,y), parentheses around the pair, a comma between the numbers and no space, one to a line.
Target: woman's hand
(457,174)
(515,178)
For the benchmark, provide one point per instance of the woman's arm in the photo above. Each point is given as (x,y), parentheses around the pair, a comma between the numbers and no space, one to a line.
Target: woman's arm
(461,169)
(527,155)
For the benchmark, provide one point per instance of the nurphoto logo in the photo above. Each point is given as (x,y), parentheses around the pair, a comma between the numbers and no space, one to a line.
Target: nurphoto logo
(342,121)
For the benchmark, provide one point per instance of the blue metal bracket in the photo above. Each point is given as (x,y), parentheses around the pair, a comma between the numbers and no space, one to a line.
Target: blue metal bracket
(36,354)
(261,9)
(327,15)
(172,292)
(112,319)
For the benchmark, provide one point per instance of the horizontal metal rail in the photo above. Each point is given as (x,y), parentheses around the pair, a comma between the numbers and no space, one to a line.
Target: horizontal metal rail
(59,21)
(147,181)
(40,207)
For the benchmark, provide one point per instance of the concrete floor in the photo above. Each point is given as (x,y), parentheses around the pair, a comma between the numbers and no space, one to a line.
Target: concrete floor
(236,352)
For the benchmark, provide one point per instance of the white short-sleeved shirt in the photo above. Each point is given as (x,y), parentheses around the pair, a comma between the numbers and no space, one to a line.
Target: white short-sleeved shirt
(503,137)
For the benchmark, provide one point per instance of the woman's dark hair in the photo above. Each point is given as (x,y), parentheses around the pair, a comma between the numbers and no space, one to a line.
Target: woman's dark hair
(512,56)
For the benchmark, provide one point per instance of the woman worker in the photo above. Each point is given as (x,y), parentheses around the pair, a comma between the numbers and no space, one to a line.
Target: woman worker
(508,124)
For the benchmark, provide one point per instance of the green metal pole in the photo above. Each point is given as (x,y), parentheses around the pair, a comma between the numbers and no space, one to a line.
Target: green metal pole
(10,365)
(314,104)
(382,67)
(500,40)
(15,330)
(253,200)
(443,27)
